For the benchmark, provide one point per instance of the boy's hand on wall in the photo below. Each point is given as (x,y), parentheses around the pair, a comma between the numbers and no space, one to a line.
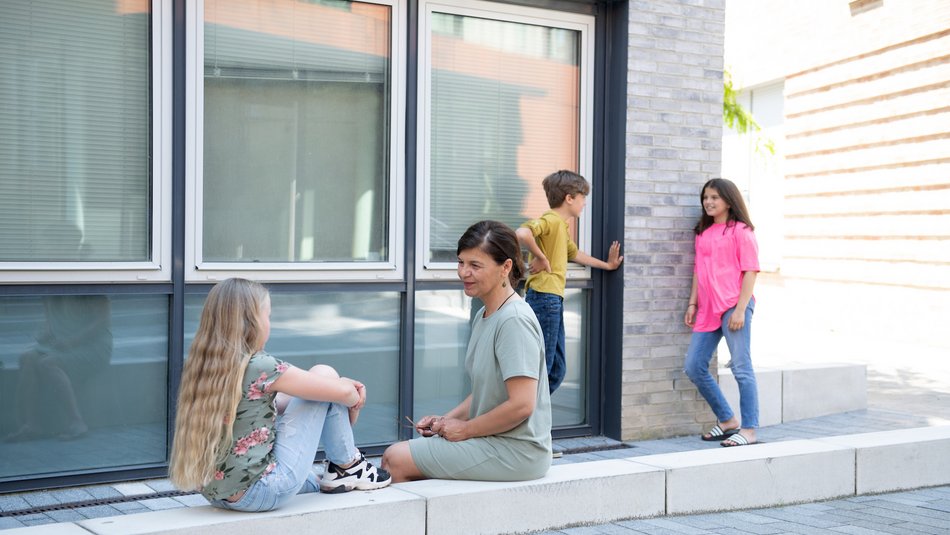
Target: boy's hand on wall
(614,259)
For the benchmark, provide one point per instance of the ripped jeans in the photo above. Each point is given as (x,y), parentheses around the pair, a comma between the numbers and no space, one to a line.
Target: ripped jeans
(298,431)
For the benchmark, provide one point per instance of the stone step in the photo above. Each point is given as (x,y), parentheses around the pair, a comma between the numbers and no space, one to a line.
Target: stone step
(804,391)
(709,480)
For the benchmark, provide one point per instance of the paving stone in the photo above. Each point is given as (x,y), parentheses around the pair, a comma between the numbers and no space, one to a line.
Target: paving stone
(36,520)
(128,508)
(98,511)
(159,504)
(161,485)
(13,503)
(40,499)
(103,491)
(191,500)
(65,515)
(855,530)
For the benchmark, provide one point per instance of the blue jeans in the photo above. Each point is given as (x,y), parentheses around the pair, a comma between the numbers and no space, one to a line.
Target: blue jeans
(700,352)
(298,434)
(549,308)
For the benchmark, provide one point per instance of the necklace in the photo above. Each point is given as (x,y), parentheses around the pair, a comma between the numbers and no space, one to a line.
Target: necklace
(502,304)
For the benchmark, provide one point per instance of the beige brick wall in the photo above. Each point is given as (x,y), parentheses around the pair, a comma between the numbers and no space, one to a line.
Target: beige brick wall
(867,134)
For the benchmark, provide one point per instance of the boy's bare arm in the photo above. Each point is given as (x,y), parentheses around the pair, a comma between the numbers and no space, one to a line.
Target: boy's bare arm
(614,258)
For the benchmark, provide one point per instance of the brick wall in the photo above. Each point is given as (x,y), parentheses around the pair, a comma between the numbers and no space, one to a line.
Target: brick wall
(674,131)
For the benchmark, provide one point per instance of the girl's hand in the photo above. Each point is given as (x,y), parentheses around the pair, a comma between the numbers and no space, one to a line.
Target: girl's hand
(690,317)
(360,391)
(737,319)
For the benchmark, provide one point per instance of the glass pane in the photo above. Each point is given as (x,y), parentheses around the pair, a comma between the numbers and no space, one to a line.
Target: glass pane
(357,333)
(296,131)
(505,113)
(75,127)
(83,383)
(569,402)
(442,329)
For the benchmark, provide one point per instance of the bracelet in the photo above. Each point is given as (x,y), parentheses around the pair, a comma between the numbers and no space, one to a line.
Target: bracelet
(691,305)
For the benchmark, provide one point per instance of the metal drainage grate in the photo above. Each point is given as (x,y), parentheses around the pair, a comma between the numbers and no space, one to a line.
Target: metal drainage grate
(91,503)
(601,447)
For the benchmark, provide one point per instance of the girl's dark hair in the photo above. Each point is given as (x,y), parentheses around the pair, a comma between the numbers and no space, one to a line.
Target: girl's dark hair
(498,241)
(731,195)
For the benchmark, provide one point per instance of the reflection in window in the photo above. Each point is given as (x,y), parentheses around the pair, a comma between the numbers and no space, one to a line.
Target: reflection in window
(296,131)
(56,353)
(74,132)
(504,112)
(357,333)
(442,329)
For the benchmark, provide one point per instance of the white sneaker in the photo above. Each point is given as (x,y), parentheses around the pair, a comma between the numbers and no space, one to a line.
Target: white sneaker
(361,476)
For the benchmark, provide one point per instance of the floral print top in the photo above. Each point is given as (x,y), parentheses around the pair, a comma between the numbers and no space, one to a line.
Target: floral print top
(251,455)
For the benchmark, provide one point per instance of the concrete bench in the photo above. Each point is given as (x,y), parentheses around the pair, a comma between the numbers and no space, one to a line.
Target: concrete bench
(799,392)
(764,475)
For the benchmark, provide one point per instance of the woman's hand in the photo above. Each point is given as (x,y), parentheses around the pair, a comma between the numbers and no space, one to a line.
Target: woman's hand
(690,317)
(424,425)
(451,429)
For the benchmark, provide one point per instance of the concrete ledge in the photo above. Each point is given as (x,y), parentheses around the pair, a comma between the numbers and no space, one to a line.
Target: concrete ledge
(899,460)
(813,390)
(761,475)
(708,480)
(571,494)
(390,511)
(769,382)
(802,391)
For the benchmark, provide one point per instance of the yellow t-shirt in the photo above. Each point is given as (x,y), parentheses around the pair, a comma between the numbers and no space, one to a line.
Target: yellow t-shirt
(552,236)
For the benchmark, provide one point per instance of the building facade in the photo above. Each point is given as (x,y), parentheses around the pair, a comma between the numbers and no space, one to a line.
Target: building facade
(334,150)
(856,200)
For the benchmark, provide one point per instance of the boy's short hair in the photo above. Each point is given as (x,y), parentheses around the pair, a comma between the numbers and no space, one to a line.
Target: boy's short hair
(559,184)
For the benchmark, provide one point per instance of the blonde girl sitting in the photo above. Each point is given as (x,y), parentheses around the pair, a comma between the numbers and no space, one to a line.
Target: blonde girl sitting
(248,425)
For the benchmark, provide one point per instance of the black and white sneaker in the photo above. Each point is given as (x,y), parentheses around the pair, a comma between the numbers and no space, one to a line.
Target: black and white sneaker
(361,476)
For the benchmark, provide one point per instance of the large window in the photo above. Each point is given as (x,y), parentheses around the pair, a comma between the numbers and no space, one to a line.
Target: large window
(80,148)
(503,102)
(442,329)
(296,126)
(355,332)
(83,383)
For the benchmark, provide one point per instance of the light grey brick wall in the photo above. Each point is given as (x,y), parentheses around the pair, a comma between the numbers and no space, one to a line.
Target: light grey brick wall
(674,132)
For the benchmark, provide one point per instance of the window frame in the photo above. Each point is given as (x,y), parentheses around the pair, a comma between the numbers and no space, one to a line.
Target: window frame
(198,270)
(582,23)
(158,267)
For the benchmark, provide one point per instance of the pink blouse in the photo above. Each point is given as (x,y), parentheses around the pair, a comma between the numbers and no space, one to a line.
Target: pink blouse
(723,253)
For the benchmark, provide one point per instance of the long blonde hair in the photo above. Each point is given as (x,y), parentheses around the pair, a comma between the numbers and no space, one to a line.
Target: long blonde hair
(229,333)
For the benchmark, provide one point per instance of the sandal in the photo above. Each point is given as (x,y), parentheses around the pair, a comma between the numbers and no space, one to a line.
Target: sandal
(736,440)
(717,433)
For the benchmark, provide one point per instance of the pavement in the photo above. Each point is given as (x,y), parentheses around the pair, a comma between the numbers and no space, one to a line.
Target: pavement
(908,387)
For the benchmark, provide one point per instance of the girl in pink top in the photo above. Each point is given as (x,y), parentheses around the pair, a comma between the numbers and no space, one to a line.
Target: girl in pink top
(721,305)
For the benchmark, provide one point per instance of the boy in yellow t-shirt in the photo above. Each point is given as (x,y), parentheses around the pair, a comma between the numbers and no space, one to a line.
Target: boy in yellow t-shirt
(551,247)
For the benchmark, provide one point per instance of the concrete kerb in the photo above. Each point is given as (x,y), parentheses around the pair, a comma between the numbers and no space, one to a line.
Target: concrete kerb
(765,475)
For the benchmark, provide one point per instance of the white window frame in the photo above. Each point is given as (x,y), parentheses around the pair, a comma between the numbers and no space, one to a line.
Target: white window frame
(585,25)
(199,270)
(158,267)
